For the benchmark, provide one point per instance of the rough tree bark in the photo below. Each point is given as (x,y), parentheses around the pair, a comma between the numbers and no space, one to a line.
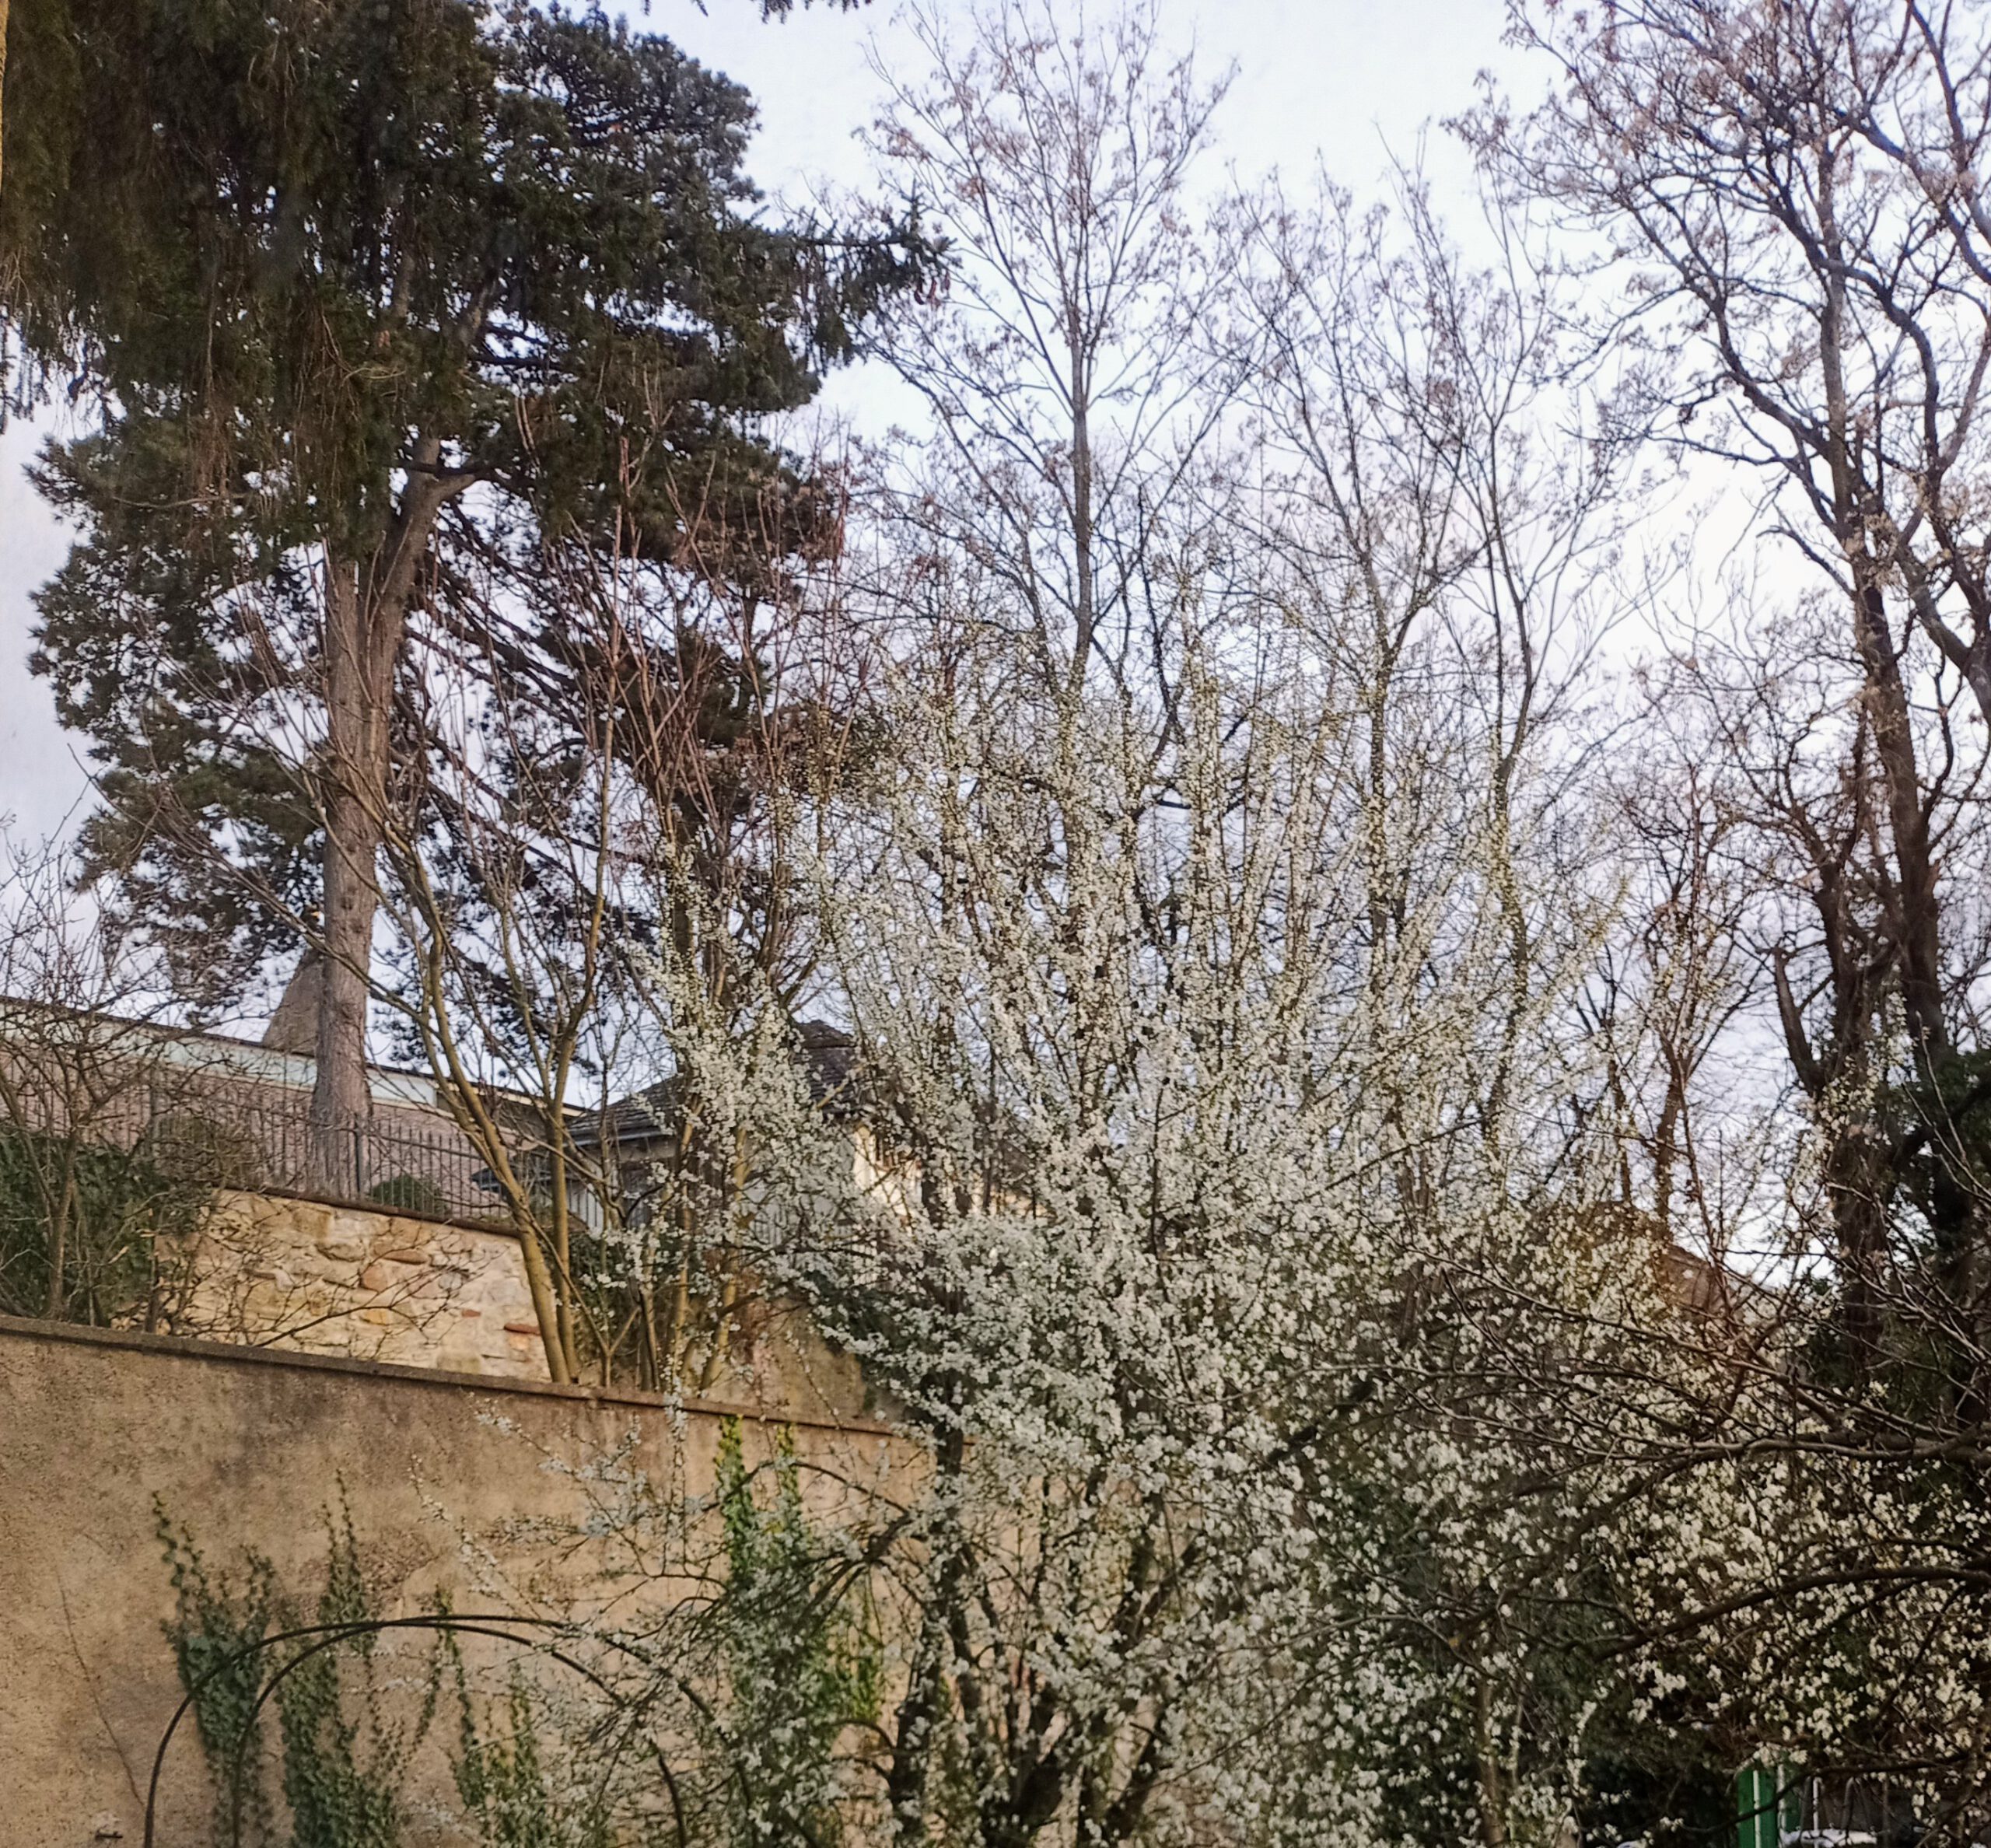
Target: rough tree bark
(366,608)
(3,87)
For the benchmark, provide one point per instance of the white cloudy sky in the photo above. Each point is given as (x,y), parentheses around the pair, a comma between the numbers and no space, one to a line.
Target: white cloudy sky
(1347,83)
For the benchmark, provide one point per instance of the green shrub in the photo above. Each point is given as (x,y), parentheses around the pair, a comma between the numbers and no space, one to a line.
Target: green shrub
(80,1223)
(410,1193)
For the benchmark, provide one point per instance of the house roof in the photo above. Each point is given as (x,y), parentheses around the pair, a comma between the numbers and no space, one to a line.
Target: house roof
(828,1059)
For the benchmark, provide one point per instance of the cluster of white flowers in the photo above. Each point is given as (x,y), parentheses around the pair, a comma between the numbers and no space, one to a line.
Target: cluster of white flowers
(1246,1186)
(1304,1419)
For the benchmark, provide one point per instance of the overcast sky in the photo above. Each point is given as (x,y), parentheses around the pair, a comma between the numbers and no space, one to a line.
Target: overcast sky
(1347,83)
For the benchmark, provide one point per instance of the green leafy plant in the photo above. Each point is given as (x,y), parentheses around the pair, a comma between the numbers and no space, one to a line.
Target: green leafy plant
(216,1630)
(752,1698)
(345,1762)
(507,1779)
(799,1668)
(80,1223)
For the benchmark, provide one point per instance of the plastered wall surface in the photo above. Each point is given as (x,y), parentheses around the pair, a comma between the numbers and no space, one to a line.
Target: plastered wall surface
(249,1448)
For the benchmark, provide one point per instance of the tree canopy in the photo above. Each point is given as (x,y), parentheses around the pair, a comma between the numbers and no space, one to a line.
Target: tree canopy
(324,271)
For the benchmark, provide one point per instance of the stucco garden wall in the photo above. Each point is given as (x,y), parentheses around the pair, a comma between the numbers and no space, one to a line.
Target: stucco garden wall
(247,1448)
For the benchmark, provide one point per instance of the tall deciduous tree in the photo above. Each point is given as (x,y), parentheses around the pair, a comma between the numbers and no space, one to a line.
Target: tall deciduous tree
(1197,1005)
(1792,190)
(1072,395)
(329,271)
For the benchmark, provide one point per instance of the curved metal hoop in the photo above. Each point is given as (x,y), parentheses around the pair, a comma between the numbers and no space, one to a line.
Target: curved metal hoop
(319,1637)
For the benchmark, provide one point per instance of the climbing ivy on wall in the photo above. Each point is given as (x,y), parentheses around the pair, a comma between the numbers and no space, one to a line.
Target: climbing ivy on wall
(716,1723)
(524,1787)
(215,1630)
(344,1764)
(799,1667)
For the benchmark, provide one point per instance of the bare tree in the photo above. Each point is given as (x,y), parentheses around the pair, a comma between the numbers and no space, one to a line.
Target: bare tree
(1790,188)
(1788,193)
(1071,390)
(619,755)
(1454,560)
(1673,986)
(1796,187)
(96,1204)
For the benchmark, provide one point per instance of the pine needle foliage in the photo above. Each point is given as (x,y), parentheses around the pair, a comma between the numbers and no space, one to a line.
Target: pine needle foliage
(352,290)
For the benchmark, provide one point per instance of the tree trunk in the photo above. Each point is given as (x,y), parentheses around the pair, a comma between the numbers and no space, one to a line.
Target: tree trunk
(1493,1795)
(366,608)
(918,1719)
(354,806)
(1858,1171)
(3,84)
(1918,924)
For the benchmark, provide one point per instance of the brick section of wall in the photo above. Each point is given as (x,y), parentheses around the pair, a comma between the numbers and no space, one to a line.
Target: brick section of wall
(273,1270)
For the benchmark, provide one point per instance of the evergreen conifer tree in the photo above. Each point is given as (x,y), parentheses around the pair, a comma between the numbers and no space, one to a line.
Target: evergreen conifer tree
(348,280)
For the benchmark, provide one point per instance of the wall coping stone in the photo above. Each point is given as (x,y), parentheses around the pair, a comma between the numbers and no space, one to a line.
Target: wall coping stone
(182,1347)
(497,1228)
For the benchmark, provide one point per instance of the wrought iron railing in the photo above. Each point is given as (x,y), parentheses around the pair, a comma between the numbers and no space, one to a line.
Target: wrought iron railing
(260,1138)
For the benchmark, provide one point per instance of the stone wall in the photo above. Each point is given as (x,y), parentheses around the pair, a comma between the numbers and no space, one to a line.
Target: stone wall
(278,1271)
(274,1270)
(446,1475)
